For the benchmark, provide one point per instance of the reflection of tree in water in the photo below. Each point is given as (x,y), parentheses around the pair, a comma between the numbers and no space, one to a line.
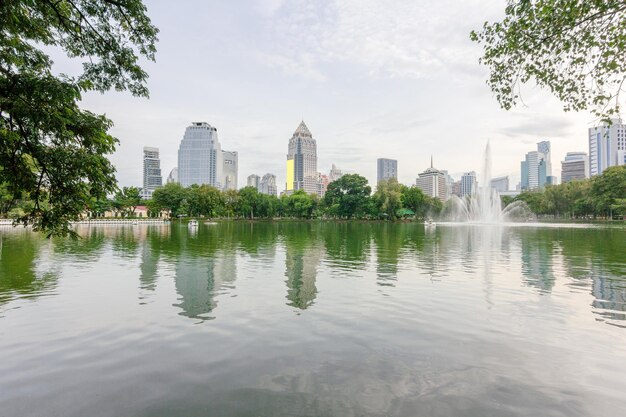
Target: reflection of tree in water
(255,238)
(347,244)
(303,255)
(87,249)
(150,255)
(125,239)
(388,240)
(24,269)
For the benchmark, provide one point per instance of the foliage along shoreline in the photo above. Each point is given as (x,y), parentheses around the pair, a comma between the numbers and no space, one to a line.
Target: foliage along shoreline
(350,198)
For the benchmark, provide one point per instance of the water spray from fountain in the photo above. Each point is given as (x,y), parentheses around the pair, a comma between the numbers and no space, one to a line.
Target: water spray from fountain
(484,205)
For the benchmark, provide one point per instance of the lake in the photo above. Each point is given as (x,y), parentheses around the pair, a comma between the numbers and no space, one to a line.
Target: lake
(314,319)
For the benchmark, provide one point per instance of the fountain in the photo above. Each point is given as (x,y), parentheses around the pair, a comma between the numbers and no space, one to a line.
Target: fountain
(484,205)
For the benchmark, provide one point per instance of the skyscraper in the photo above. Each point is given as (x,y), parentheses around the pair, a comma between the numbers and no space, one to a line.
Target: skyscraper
(387,168)
(253,181)
(468,183)
(605,142)
(575,166)
(200,158)
(302,161)
(152,178)
(268,184)
(231,162)
(544,147)
(432,182)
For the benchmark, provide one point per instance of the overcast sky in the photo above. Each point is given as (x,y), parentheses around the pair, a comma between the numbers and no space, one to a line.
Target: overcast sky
(397,79)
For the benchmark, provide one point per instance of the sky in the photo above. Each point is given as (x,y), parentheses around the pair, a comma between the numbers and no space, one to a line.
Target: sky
(396,79)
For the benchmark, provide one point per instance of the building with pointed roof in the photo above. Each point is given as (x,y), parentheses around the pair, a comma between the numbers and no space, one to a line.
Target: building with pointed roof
(302,162)
(433,182)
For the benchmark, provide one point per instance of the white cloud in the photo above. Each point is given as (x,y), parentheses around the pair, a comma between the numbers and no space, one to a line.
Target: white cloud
(399,38)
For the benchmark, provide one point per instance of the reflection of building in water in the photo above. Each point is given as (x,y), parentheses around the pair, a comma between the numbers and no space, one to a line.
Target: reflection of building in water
(199,281)
(537,263)
(610,296)
(301,272)
(148,267)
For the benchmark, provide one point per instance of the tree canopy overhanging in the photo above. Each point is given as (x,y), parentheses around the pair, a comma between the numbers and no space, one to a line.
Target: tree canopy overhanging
(52,153)
(573,48)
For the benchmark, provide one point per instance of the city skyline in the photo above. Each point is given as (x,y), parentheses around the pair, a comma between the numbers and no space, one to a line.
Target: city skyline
(398,92)
(536,171)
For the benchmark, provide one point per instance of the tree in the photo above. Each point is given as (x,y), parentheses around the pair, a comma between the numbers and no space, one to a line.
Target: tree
(49,147)
(204,200)
(300,204)
(127,199)
(414,199)
(573,48)
(608,189)
(388,198)
(348,196)
(169,197)
(248,202)
(231,200)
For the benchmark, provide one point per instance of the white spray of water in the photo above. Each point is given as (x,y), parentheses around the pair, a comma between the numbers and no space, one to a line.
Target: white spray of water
(484,204)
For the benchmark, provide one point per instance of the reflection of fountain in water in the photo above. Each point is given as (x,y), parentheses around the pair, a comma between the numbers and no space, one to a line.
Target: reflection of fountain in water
(484,205)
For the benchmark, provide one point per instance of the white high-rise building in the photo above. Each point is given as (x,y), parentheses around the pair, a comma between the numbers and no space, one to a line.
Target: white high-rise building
(468,183)
(386,169)
(605,143)
(231,162)
(253,181)
(200,158)
(268,184)
(302,162)
(152,178)
(575,166)
(433,183)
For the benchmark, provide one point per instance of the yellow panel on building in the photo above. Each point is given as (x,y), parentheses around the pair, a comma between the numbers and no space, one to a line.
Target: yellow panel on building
(290,174)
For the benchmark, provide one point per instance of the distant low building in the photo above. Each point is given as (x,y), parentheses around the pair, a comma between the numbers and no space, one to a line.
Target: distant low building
(335,174)
(575,166)
(500,184)
(173,177)
(253,181)
(468,183)
(322,184)
(268,184)
(229,172)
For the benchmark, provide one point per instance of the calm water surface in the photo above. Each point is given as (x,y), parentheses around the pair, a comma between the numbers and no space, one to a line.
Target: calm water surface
(310,319)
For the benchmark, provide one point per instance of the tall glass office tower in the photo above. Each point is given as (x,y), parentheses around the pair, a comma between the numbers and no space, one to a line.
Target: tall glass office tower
(200,158)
